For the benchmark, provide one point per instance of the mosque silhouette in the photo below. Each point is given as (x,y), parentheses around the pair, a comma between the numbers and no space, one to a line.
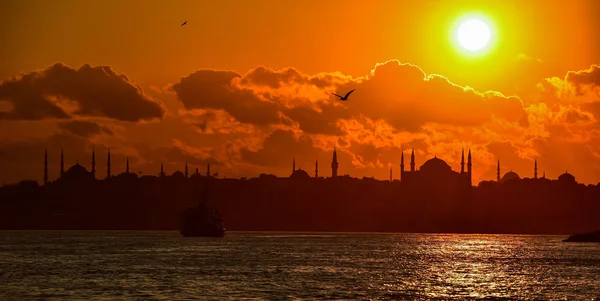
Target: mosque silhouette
(432,198)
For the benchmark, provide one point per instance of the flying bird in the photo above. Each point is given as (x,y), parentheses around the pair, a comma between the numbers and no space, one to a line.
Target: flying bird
(345,97)
(184,23)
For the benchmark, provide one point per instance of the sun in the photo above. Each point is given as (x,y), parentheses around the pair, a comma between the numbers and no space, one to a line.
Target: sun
(473,34)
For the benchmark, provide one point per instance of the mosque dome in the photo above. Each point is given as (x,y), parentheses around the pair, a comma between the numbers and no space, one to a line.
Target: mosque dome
(511,175)
(435,165)
(566,177)
(178,174)
(299,174)
(77,172)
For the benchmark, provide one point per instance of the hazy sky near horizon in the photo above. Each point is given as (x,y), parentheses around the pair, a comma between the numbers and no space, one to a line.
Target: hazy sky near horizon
(247,85)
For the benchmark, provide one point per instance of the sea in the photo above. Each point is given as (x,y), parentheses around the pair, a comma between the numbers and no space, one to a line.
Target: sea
(139,265)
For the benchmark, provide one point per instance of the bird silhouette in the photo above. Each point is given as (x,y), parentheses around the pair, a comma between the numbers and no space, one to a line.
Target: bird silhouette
(184,23)
(345,97)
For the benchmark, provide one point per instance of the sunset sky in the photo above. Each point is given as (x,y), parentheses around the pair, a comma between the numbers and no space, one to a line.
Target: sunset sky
(247,86)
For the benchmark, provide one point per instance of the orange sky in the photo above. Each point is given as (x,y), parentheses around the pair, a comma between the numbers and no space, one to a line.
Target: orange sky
(247,85)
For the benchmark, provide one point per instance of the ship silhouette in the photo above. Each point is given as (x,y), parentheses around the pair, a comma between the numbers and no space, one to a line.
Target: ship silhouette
(203,220)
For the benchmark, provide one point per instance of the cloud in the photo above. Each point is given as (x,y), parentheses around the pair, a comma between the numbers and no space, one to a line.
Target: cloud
(279,148)
(253,123)
(525,58)
(589,77)
(84,128)
(214,90)
(61,92)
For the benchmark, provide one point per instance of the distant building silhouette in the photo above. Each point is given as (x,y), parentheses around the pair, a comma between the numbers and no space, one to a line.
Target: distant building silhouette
(316,168)
(293,165)
(127,165)
(186,169)
(162,170)
(535,169)
(436,170)
(334,164)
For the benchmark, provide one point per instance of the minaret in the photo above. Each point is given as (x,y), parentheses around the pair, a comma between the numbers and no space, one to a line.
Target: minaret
(334,164)
(469,168)
(391,175)
(207,169)
(127,165)
(317,169)
(46,167)
(197,171)
(293,165)
(401,164)
(535,169)
(162,171)
(186,169)
(93,172)
(462,162)
(544,175)
(498,172)
(412,161)
(108,165)
(62,163)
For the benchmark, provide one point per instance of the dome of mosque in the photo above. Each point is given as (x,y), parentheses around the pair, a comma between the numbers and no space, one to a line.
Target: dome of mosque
(511,175)
(566,177)
(178,174)
(435,165)
(77,170)
(300,174)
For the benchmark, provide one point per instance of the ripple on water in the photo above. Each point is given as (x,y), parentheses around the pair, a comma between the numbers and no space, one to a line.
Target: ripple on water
(162,265)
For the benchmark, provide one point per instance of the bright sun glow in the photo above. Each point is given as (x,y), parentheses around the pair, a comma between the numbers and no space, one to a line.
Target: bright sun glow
(473,34)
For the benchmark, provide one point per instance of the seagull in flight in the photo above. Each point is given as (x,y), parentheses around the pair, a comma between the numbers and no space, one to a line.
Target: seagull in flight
(345,97)
(184,23)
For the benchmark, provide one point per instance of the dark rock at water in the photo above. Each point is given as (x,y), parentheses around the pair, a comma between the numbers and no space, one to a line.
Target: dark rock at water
(585,237)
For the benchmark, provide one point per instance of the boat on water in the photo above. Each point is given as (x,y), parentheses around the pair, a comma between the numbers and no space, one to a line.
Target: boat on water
(584,237)
(203,220)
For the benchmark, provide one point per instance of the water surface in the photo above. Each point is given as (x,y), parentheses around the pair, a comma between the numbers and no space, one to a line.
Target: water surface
(70,265)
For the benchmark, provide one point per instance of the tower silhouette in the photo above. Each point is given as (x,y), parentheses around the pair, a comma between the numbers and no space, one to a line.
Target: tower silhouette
(46,167)
(535,169)
(401,164)
(127,165)
(93,172)
(462,162)
(412,160)
(207,169)
(186,169)
(62,163)
(498,172)
(162,171)
(334,164)
(317,169)
(293,165)
(391,175)
(470,168)
(108,165)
